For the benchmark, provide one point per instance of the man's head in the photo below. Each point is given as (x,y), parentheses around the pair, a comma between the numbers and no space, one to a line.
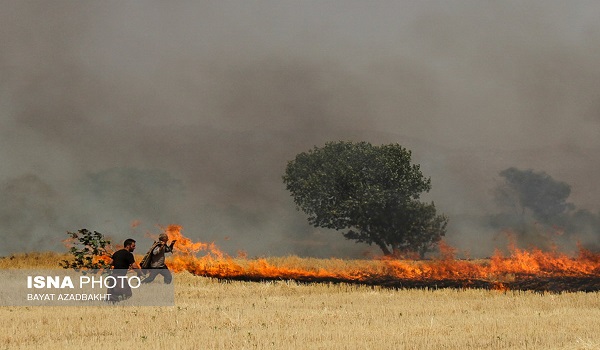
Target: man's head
(163,237)
(129,244)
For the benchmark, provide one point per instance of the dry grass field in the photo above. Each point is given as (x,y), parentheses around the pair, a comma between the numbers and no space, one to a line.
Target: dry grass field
(214,314)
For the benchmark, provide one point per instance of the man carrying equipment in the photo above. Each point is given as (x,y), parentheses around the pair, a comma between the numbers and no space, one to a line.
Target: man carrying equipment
(155,259)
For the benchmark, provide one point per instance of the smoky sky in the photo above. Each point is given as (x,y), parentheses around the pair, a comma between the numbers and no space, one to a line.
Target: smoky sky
(187,112)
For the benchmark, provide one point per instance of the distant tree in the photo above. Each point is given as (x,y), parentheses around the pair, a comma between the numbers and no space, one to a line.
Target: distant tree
(535,193)
(372,192)
(535,209)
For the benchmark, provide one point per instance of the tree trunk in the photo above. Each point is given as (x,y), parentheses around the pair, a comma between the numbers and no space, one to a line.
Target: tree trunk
(384,248)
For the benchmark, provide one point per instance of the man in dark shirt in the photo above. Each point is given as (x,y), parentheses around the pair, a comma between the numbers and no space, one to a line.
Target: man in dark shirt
(122,261)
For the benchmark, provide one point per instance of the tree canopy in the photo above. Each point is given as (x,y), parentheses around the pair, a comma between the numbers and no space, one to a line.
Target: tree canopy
(89,250)
(537,192)
(371,192)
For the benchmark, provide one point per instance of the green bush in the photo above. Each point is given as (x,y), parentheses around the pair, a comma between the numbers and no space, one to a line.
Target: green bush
(89,251)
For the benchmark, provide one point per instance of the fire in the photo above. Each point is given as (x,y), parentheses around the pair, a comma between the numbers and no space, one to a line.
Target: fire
(104,258)
(518,270)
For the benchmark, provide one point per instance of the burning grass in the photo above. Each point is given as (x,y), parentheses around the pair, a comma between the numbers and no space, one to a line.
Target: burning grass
(521,270)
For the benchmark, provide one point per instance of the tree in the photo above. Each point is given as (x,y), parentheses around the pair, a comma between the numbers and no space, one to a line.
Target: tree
(535,209)
(536,193)
(370,191)
(89,250)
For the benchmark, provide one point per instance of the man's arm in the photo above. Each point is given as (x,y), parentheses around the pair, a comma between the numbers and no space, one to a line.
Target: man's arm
(158,248)
(135,266)
(169,248)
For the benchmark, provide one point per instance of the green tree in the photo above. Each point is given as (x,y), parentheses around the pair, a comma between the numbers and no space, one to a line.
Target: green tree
(90,251)
(370,192)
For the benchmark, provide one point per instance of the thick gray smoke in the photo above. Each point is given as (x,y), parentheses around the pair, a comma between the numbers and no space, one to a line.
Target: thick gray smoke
(187,112)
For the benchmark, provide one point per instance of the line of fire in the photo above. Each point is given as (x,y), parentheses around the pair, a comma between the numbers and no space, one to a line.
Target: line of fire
(521,270)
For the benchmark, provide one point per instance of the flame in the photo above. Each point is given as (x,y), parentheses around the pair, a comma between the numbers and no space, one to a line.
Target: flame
(205,259)
(104,258)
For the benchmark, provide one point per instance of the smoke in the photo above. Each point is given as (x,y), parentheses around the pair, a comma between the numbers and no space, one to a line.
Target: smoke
(28,212)
(126,193)
(187,113)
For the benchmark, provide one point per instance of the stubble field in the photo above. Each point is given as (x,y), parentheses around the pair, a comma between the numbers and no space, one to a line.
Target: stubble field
(215,314)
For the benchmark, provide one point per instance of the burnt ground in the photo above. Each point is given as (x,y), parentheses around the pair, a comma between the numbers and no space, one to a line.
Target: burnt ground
(550,284)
